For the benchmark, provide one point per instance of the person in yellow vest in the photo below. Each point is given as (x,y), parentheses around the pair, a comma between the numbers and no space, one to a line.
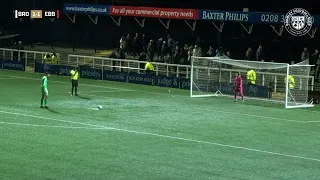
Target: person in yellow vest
(251,77)
(54,58)
(47,59)
(74,81)
(149,67)
(292,84)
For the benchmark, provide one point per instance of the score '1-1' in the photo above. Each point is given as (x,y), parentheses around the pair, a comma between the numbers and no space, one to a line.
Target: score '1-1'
(37,14)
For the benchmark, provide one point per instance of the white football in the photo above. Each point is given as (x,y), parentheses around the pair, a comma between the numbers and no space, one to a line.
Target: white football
(100,107)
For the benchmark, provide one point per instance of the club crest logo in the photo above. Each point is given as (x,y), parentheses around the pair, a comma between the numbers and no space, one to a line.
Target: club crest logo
(298,22)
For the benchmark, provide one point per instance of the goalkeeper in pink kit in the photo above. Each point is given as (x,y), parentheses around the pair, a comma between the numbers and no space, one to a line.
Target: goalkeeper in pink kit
(238,88)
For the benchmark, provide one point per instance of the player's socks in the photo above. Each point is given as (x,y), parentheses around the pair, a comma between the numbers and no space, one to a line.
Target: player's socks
(41,102)
(45,102)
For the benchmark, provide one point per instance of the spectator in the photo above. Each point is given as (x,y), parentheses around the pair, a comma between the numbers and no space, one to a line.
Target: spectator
(305,54)
(20,46)
(196,51)
(159,46)
(144,42)
(260,54)
(170,43)
(190,54)
(15,53)
(175,44)
(122,44)
(167,58)
(210,52)
(142,57)
(314,58)
(151,50)
(317,70)
(176,56)
(228,54)
(113,56)
(218,53)
(128,45)
(135,45)
(164,50)
(248,55)
(15,45)
(122,55)
(184,54)
(199,52)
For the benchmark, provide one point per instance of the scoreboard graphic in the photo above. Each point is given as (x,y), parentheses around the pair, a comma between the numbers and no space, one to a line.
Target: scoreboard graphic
(36,14)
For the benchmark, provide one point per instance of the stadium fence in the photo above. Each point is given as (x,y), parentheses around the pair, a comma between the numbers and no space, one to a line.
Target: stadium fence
(127,66)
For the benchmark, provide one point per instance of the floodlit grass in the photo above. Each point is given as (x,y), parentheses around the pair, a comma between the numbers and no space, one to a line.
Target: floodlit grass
(146,132)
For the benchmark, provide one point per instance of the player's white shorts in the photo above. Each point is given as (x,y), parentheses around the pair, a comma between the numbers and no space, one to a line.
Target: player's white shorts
(45,92)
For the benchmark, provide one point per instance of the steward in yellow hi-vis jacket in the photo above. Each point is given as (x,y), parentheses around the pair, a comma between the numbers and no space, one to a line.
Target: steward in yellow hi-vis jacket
(251,77)
(54,59)
(292,84)
(149,67)
(47,58)
(74,81)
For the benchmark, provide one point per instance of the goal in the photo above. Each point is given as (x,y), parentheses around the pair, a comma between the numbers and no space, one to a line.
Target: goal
(275,82)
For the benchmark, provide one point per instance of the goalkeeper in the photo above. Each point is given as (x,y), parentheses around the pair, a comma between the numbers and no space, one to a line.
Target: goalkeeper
(238,88)
(44,90)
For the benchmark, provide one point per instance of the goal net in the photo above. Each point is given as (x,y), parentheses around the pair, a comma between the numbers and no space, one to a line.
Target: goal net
(274,82)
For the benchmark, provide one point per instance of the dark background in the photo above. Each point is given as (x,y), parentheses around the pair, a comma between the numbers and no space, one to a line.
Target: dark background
(106,34)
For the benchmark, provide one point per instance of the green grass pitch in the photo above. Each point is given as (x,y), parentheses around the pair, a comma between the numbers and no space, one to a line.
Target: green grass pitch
(146,132)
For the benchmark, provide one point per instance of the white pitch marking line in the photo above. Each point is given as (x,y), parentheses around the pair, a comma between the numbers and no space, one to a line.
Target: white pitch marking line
(108,91)
(218,110)
(8,78)
(95,109)
(168,137)
(48,126)
(52,119)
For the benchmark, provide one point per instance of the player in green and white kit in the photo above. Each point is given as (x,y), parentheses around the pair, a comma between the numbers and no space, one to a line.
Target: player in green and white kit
(44,90)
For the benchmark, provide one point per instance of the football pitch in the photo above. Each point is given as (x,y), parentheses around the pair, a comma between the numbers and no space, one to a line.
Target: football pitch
(146,132)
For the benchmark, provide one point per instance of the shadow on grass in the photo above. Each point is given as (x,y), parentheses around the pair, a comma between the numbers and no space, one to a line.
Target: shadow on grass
(83,97)
(53,111)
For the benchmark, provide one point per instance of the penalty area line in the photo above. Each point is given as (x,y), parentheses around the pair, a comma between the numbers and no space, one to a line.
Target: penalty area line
(170,137)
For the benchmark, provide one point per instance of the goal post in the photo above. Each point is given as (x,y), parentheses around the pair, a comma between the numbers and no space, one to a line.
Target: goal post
(214,76)
(297,86)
